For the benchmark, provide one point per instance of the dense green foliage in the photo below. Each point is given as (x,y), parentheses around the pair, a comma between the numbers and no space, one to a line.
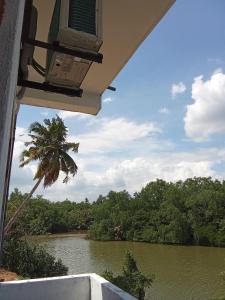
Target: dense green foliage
(41,216)
(131,279)
(30,261)
(185,212)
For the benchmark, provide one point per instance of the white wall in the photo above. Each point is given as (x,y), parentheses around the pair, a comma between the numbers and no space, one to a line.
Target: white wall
(73,287)
(10,32)
(102,289)
(61,288)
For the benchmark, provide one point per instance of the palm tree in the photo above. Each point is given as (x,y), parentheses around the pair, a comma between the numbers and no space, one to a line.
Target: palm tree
(49,147)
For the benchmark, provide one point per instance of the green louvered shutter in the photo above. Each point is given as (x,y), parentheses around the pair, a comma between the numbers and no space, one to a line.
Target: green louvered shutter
(82,15)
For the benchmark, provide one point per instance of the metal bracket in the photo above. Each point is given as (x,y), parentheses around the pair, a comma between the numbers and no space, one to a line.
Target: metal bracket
(50,88)
(55,46)
(111,88)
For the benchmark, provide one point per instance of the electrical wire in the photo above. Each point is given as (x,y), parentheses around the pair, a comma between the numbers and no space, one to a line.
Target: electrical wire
(38,65)
(38,68)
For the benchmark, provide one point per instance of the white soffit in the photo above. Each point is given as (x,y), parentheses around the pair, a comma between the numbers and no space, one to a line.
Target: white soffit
(126,23)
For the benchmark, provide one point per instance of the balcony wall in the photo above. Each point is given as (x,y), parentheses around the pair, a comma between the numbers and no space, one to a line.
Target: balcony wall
(74,287)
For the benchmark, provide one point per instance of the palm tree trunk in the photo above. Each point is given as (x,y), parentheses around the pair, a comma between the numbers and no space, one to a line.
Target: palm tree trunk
(20,208)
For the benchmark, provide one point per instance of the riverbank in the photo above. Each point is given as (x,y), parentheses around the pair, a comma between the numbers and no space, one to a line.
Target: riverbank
(84,235)
(7,276)
(81,235)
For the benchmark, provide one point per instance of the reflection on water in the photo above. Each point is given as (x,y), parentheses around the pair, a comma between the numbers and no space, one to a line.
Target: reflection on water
(181,273)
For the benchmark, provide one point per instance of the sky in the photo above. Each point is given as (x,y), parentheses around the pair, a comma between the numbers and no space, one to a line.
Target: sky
(166,119)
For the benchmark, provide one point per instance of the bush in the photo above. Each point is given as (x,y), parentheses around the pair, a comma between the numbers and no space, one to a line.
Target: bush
(131,280)
(30,261)
(150,235)
(101,231)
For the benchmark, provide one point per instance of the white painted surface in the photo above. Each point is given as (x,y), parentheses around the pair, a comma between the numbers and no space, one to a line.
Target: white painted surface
(74,287)
(102,289)
(10,32)
(88,104)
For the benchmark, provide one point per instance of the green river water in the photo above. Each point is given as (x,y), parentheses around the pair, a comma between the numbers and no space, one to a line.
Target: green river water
(181,272)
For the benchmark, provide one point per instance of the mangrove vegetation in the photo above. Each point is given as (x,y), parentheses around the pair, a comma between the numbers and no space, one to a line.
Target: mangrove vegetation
(188,212)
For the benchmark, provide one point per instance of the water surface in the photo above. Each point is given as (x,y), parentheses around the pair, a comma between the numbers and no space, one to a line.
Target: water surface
(181,272)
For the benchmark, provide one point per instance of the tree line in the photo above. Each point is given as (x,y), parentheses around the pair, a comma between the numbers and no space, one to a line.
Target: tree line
(185,212)
(41,216)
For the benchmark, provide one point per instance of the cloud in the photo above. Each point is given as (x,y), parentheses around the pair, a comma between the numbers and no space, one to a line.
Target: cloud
(132,174)
(70,114)
(177,88)
(205,116)
(164,110)
(118,154)
(107,100)
(113,134)
(21,177)
(105,144)
(44,113)
(21,136)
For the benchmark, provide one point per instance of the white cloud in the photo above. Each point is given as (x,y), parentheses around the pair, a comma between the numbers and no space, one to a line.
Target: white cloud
(21,137)
(106,143)
(132,174)
(21,177)
(107,100)
(164,110)
(70,114)
(135,173)
(205,117)
(177,88)
(44,113)
(113,134)
(117,154)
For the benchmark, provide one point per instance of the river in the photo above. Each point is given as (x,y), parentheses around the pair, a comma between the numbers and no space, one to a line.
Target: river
(181,272)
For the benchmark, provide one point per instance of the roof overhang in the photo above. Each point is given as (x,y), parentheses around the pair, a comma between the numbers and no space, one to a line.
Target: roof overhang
(125,25)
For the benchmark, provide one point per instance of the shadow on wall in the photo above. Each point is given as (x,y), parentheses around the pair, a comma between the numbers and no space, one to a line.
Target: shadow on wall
(112,292)
(2,5)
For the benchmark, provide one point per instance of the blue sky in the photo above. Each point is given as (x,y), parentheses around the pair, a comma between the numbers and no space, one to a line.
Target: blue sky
(166,119)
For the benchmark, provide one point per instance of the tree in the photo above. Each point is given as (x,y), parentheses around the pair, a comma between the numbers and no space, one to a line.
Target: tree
(49,147)
(131,280)
(30,260)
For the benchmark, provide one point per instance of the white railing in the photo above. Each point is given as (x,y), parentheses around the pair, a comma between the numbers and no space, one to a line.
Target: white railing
(73,287)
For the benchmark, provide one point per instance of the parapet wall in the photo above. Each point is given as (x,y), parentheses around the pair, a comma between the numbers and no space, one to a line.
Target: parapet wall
(73,287)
